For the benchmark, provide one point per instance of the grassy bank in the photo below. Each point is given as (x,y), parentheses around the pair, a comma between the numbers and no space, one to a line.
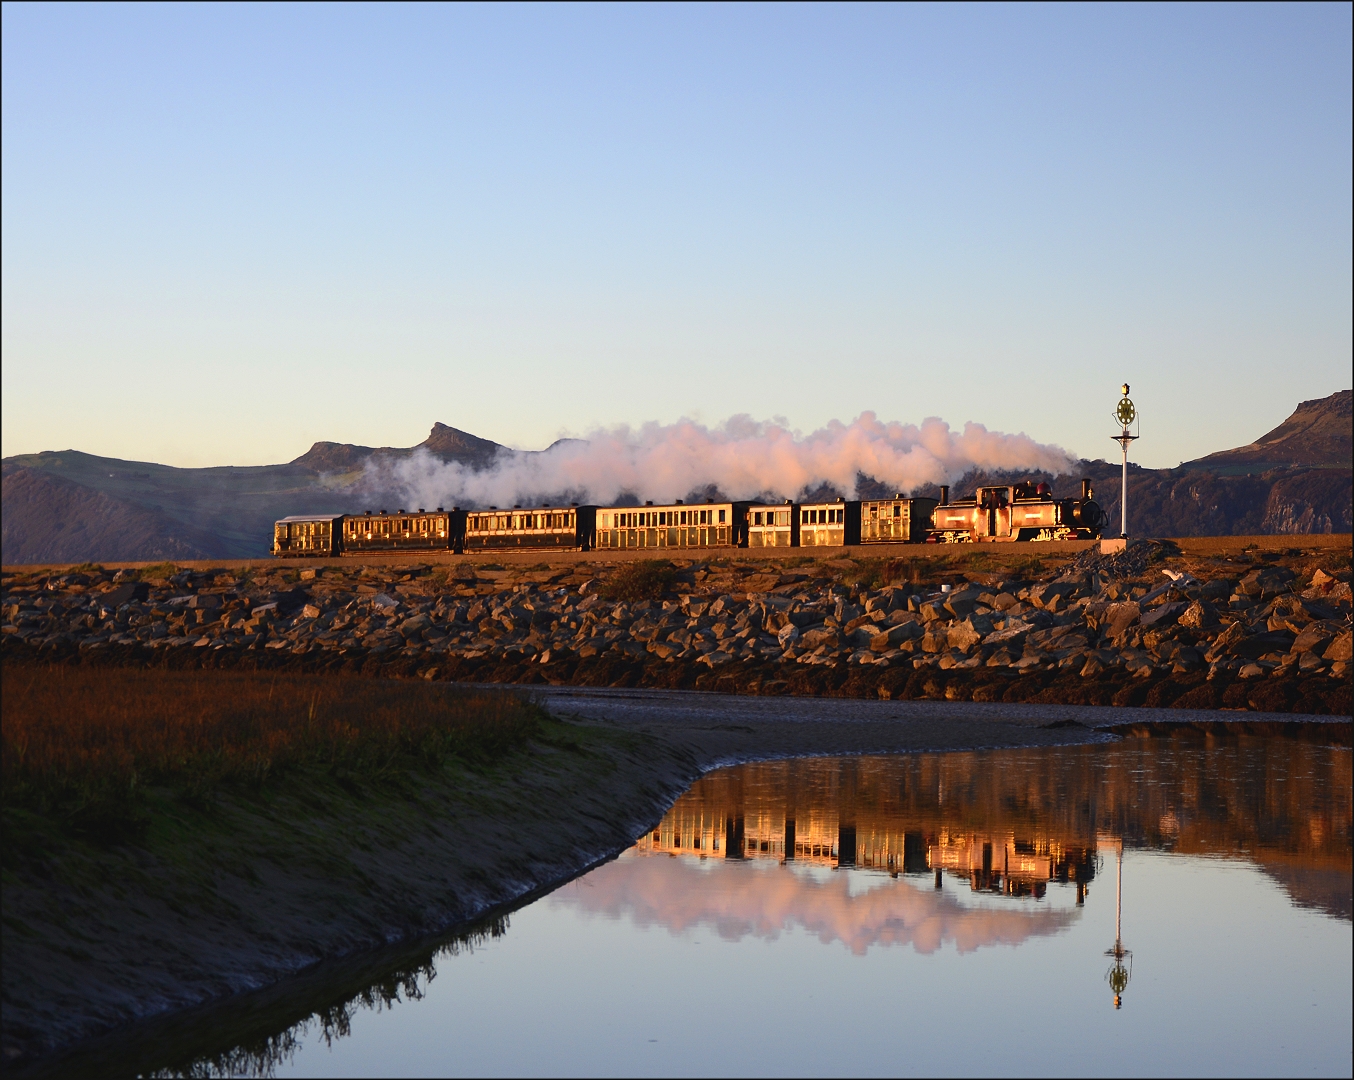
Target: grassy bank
(171,838)
(88,748)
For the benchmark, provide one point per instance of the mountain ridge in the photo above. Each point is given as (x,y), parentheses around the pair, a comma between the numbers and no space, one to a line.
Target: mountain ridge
(1318,433)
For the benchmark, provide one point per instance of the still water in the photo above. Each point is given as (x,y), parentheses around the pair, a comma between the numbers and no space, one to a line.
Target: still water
(910,915)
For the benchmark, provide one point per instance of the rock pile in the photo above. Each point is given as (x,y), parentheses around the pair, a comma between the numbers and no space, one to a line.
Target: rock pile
(549,624)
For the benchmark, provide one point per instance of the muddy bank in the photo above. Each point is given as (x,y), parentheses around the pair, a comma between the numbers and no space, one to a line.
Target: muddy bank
(233,896)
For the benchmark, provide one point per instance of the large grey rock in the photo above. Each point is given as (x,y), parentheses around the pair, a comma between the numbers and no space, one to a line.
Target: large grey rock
(1119,617)
(1315,637)
(1053,596)
(1266,582)
(1012,635)
(895,636)
(1162,616)
(962,603)
(963,637)
(1341,648)
(936,638)
(1200,615)
(413,627)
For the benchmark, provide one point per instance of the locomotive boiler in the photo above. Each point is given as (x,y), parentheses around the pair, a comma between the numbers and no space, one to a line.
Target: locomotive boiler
(1014,512)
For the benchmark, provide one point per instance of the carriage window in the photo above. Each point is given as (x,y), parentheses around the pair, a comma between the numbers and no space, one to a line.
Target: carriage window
(897,510)
(721,517)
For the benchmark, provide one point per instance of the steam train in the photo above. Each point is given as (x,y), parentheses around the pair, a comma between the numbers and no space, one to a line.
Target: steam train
(1010,513)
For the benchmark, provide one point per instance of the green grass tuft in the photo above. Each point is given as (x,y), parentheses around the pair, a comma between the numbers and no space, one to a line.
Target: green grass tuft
(649,579)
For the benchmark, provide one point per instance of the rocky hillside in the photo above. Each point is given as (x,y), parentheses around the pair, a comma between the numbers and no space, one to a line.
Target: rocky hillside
(69,506)
(1319,433)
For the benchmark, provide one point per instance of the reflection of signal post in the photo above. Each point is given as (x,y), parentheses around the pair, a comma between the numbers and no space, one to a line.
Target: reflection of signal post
(1118,975)
(1127,415)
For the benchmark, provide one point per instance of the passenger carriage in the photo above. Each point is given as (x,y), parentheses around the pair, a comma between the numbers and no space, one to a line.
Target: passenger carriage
(897,520)
(528,529)
(307,536)
(773,525)
(711,524)
(831,524)
(436,530)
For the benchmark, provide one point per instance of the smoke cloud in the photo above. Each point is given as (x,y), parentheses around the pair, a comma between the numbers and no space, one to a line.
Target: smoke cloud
(742,458)
(741,901)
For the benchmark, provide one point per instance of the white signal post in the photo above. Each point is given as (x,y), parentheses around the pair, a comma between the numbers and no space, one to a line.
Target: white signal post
(1127,415)
(1119,974)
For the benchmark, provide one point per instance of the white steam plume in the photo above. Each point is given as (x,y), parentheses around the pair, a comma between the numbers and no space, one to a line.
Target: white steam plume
(742,458)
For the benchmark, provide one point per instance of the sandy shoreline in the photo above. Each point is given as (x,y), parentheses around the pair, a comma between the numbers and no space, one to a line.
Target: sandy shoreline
(718,730)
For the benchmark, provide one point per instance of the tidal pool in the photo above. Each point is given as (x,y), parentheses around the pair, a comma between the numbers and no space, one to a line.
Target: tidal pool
(1155,906)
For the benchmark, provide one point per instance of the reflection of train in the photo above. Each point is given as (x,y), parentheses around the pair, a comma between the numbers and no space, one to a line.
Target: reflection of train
(837,813)
(1014,512)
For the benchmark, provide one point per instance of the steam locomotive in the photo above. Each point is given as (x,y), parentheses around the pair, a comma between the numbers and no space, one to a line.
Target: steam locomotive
(1010,513)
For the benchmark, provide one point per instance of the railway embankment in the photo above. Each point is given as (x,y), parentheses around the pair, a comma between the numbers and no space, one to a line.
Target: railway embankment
(1190,624)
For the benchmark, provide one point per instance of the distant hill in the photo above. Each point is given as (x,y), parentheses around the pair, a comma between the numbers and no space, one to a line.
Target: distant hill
(69,506)
(447,443)
(48,518)
(1319,433)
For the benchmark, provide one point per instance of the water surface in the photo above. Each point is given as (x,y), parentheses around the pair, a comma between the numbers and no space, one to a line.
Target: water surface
(915,914)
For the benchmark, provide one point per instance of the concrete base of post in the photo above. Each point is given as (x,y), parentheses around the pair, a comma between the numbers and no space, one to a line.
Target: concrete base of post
(1114,546)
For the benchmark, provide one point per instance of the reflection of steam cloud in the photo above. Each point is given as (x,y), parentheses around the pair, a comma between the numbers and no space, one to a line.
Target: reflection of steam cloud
(738,900)
(741,457)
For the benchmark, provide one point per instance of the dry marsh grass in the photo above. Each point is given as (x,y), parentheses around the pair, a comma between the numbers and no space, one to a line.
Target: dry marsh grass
(84,745)
(647,579)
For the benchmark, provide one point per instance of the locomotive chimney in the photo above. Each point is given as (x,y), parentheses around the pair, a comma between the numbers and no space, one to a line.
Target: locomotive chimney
(944,494)
(1086,491)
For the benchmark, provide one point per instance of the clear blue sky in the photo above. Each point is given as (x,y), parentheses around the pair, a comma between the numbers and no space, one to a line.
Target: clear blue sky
(230,230)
